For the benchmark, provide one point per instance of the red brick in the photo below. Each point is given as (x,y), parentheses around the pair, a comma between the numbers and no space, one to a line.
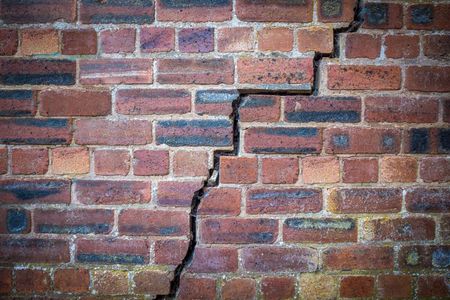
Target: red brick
(195,71)
(278,288)
(80,221)
(101,192)
(279,170)
(400,229)
(214,260)
(365,200)
(118,41)
(153,222)
(274,11)
(157,39)
(127,11)
(6,281)
(364,77)
(275,70)
(9,41)
(402,46)
(238,231)
(330,11)
(275,39)
(192,288)
(307,230)
(358,258)
(428,200)
(238,169)
(79,42)
(47,11)
(196,40)
(170,252)
(16,103)
(436,46)
(110,132)
(235,39)
(398,169)
(215,102)
(220,201)
(383,15)
(152,282)
(151,162)
(72,280)
(239,289)
(194,11)
(358,45)
(70,160)
(3,160)
(435,169)
(318,39)
(320,169)
(32,281)
(425,140)
(361,140)
(29,161)
(112,251)
(112,162)
(428,79)
(110,282)
(14,191)
(33,250)
(39,41)
(279,259)
(259,108)
(428,16)
(358,170)
(357,286)
(432,286)
(15,220)
(178,193)
(279,201)
(395,286)
(191,163)
(423,257)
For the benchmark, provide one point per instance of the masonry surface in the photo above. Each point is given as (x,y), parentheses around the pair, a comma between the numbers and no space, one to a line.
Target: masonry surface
(224,149)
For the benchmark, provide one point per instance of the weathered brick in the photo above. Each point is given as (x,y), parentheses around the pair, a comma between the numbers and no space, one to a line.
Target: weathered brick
(279,259)
(424,257)
(75,102)
(279,170)
(402,46)
(435,169)
(152,282)
(357,170)
(14,71)
(239,288)
(196,40)
(330,11)
(6,281)
(260,108)
(326,230)
(317,286)
(432,286)
(214,260)
(364,77)
(428,16)
(323,169)
(45,11)
(215,102)
(238,169)
(302,109)
(39,41)
(157,39)
(118,41)
(362,140)
(275,11)
(72,280)
(427,79)
(239,231)
(14,221)
(80,221)
(177,193)
(3,160)
(17,103)
(428,200)
(220,201)
(365,200)
(117,11)
(195,71)
(286,140)
(436,46)
(360,45)
(29,161)
(191,163)
(110,282)
(170,252)
(358,258)
(426,140)
(110,132)
(153,101)
(116,71)
(275,70)
(32,281)
(15,191)
(102,192)
(275,39)
(279,201)
(194,10)
(150,162)
(398,169)
(278,288)
(357,286)
(79,42)
(395,286)
(112,162)
(9,41)
(383,15)
(318,39)
(177,133)
(112,251)
(445,228)
(192,288)
(399,229)
(33,250)
(70,160)
(235,39)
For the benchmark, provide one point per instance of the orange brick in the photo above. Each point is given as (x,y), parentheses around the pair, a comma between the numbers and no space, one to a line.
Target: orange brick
(235,39)
(275,39)
(320,170)
(238,169)
(37,41)
(74,160)
(279,170)
(398,169)
(190,163)
(319,39)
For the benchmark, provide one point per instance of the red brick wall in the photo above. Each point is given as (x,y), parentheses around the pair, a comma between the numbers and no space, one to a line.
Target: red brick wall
(224,149)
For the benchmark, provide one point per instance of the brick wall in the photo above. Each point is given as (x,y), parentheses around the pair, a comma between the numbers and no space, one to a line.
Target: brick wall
(224,149)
